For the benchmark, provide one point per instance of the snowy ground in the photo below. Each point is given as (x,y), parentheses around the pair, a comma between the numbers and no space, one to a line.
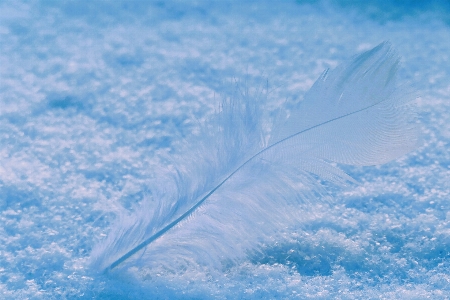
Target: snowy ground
(93,95)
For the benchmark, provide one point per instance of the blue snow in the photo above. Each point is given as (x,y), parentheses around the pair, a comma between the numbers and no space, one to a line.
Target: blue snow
(94,95)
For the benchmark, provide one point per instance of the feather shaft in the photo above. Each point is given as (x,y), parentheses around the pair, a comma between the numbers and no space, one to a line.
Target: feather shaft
(203,199)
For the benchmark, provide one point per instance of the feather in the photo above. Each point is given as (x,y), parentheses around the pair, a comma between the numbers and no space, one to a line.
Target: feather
(240,182)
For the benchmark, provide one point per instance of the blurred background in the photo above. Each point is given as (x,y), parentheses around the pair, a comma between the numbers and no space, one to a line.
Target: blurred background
(94,95)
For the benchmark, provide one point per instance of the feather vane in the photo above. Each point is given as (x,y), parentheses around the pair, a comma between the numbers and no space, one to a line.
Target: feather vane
(235,189)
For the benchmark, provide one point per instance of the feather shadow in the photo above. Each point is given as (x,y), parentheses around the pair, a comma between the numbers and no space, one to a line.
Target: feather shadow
(241,182)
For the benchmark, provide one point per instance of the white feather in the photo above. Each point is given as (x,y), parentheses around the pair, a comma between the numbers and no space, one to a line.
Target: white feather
(233,190)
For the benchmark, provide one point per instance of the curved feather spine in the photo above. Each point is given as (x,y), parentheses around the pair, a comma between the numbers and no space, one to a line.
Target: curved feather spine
(200,202)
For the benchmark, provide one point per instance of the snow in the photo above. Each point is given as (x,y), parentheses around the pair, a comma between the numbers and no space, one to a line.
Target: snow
(94,95)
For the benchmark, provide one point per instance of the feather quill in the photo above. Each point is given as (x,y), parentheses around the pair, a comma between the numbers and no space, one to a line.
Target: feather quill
(236,188)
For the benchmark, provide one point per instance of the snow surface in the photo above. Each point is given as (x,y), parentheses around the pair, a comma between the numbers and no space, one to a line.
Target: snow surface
(94,94)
